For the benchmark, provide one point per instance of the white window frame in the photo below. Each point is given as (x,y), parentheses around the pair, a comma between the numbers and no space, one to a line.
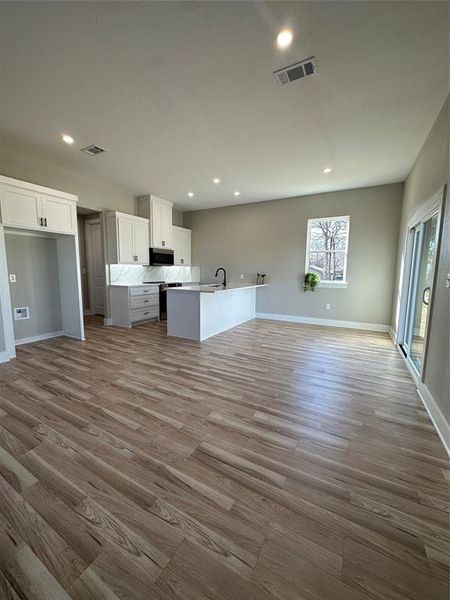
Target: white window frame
(327,283)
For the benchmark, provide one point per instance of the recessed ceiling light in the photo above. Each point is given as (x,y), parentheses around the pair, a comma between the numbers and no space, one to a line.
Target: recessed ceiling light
(327,170)
(237,193)
(68,139)
(216,180)
(284,39)
(191,194)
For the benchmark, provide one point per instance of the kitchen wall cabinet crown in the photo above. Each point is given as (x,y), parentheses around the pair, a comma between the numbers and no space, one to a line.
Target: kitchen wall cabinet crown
(159,213)
(181,238)
(128,241)
(28,206)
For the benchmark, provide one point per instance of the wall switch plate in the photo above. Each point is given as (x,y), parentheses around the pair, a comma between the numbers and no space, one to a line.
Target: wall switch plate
(242,276)
(328,306)
(12,278)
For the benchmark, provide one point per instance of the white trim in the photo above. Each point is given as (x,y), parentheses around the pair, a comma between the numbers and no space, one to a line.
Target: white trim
(433,410)
(5,299)
(435,414)
(107,321)
(4,356)
(327,283)
(39,338)
(324,322)
(333,284)
(393,335)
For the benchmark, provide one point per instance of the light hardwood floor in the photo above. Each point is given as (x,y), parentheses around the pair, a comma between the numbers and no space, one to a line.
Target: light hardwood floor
(274,461)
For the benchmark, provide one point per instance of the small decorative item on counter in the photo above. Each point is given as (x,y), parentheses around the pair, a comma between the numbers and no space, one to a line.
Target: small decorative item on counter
(263,275)
(258,279)
(310,282)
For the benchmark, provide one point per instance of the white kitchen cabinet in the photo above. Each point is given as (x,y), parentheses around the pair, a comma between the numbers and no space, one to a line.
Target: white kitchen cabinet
(59,215)
(181,238)
(127,239)
(34,207)
(159,213)
(134,304)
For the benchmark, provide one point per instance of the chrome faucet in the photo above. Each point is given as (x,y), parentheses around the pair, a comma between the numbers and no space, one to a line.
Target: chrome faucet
(224,283)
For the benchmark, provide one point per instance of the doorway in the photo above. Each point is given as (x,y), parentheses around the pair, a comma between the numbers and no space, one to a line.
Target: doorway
(92,262)
(421,253)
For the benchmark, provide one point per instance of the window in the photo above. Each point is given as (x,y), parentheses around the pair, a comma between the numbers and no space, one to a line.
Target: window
(326,249)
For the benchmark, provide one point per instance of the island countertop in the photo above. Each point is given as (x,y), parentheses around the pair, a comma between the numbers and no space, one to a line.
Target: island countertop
(211,288)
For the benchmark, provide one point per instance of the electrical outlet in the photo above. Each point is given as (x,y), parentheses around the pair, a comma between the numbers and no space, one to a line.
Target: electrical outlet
(328,306)
(242,276)
(12,278)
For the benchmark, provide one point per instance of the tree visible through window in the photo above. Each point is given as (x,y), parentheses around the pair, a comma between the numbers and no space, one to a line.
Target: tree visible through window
(326,251)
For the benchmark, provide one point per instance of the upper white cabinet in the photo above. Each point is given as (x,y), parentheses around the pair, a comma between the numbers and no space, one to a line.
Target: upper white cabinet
(181,245)
(29,206)
(59,215)
(128,241)
(159,213)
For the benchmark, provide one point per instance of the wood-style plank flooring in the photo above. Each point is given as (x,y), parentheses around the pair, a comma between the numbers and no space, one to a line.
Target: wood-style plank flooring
(275,461)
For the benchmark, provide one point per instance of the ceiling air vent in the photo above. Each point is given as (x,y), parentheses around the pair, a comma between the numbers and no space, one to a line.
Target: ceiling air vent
(296,71)
(93,150)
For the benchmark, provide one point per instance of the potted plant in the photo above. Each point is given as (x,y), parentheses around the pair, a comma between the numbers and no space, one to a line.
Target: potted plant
(310,282)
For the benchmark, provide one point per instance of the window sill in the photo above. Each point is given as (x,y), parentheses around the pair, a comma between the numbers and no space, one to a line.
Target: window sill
(333,284)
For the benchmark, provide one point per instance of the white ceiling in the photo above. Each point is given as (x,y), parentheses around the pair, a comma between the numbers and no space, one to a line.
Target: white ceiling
(179,93)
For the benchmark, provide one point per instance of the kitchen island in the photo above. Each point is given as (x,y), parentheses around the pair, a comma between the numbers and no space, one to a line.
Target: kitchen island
(197,312)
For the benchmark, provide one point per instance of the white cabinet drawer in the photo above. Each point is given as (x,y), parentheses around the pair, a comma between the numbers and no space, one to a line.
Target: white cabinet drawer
(137,291)
(144,301)
(143,314)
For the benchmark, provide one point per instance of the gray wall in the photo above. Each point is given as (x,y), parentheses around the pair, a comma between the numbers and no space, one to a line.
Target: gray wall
(428,174)
(34,262)
(270,237)
(177,218)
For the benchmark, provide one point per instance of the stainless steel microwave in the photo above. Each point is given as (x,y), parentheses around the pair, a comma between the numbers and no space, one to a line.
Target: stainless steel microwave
(161,257)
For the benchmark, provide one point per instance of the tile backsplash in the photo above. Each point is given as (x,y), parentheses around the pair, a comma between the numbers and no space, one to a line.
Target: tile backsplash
(138,274)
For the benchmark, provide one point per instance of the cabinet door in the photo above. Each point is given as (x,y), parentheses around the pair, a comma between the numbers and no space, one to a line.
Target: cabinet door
(125,240)
(181,239)
(166,226)
(59,214)
(141,245)
(20,207)
(155,224)
(177,239)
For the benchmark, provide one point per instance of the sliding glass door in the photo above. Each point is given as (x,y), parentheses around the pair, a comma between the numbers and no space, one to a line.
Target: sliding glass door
(424,239)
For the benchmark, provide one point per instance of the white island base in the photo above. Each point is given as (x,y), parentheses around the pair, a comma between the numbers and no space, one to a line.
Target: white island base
(201,311)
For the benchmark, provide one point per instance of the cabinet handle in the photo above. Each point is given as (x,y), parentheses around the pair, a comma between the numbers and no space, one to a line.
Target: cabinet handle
(163,243)
(182,261)
(45,221)
(146,313)
(41,221)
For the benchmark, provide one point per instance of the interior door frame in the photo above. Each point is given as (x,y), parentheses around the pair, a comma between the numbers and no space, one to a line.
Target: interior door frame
(90,269)
(431,207)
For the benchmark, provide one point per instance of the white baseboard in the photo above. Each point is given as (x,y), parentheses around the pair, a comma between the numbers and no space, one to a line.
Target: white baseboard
(435,414)
(433,410)
(324,322)
(4,356)
(107,321)
(393,335)
(38,338)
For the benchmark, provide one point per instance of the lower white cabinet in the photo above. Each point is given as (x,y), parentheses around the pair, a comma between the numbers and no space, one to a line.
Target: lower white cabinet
(181,239)
(128,241)
(29,206)
(132,305)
